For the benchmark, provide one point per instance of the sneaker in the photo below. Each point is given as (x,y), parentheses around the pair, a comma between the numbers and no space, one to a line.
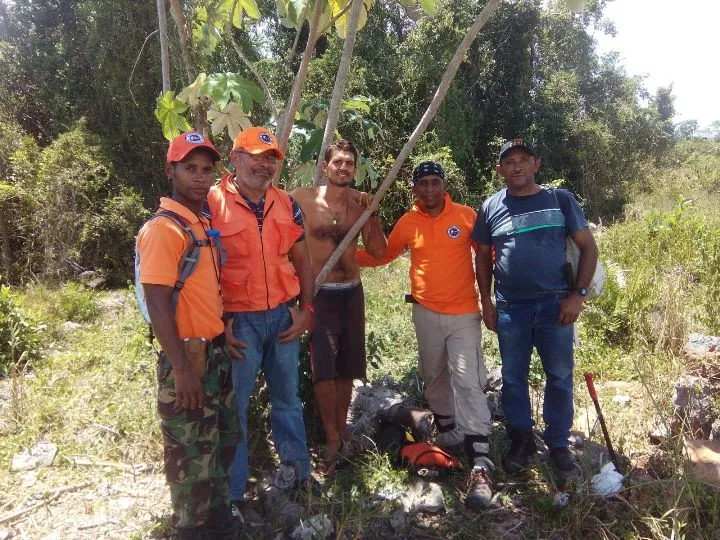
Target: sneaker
(563,460)
(522,446)
(450,438)
(478,490)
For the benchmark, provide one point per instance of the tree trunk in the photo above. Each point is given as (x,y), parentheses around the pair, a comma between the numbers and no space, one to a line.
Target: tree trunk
(287,116)
(430,113)
(184,34)
(339,88)
(164,58)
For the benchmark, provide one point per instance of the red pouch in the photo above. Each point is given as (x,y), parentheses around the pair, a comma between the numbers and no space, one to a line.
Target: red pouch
(424,454)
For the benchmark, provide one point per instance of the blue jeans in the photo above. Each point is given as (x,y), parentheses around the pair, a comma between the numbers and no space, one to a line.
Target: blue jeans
(520,326)
(279,362)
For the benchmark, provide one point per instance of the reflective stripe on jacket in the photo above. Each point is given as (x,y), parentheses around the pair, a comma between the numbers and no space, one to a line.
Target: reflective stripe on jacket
(258,274)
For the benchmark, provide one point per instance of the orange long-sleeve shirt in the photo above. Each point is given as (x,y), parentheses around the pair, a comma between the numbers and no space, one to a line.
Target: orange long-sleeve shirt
(442,277)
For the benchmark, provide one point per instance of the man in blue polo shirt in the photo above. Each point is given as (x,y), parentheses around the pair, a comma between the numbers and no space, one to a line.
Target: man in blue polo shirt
(535,306)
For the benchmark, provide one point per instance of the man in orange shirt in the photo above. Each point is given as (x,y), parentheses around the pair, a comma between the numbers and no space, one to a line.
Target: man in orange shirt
(447,319)
(267,269)
(195,397)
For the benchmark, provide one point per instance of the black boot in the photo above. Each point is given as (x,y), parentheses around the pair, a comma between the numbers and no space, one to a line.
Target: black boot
(221,524)
(190,533)
(522,446)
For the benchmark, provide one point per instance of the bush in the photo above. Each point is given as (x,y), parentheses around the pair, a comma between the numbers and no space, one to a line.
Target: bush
(109,236)
(20,334)
(76,304)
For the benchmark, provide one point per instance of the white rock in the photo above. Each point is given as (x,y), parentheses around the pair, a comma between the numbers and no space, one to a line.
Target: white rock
(69,326)
(316,527)
(608,482)
(621,399)
(28,479)
(40,454)
(561,500)
(4,533)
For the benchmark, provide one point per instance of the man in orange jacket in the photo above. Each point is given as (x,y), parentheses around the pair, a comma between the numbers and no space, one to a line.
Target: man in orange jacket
(447,319)
(267,268)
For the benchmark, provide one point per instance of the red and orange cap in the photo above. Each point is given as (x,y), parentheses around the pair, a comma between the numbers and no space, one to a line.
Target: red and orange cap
(256,140)
(185,143)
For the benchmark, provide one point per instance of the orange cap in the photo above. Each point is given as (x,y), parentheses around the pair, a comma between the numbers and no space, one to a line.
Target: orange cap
(256,140)
(185,143)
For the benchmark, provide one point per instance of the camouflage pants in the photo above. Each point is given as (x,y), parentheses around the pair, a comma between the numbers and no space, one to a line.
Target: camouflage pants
(199,444)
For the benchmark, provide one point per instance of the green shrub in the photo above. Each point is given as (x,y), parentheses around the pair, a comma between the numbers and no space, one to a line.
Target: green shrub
(109,236)
(75,303)
(20,334)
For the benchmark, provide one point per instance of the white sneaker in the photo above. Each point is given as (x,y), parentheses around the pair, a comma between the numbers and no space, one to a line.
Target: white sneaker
(451,438)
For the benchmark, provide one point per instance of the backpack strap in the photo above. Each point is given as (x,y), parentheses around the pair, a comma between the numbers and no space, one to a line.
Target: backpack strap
(190,257)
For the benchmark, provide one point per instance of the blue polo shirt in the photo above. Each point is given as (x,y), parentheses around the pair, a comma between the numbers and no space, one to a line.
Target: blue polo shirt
(528,234)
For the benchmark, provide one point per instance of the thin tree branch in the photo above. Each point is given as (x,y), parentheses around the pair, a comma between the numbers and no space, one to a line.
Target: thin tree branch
(291,54)
(287,116)
(137,59)
(339,88)
(430,113)
(249,64)
(184,34)
(332,21)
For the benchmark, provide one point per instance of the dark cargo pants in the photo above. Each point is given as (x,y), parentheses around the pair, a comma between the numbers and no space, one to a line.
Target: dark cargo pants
(199,444)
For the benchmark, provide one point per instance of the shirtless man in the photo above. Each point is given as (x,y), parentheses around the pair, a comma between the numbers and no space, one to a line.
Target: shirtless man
(337,343)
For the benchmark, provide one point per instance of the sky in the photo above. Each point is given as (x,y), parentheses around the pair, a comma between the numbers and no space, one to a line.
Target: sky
(671,41)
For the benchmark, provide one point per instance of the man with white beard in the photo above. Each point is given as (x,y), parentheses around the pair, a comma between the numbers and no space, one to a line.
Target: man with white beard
(267,269)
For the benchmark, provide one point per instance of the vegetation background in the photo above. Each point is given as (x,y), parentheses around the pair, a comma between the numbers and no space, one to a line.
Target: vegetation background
(81,157)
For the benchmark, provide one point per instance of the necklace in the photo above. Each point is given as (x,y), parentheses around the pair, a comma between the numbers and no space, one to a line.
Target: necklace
(336,216)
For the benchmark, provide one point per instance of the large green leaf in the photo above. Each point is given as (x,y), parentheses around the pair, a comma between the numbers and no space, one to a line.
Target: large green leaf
(224,87)
(312,145)
(251,8)
(169,112)
(292,13)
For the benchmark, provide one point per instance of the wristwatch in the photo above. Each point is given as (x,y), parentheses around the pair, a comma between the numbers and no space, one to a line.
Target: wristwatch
(582,291)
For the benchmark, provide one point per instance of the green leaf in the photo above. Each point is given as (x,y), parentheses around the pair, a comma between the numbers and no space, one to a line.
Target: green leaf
(224,87)
(358,103)
(251,8)
(168,112)
(429,6)
(312,145)
(303,174)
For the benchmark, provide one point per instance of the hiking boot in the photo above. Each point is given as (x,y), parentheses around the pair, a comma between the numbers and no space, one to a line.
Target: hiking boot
(450,438)
(478,490)
(522,446)
(563,460)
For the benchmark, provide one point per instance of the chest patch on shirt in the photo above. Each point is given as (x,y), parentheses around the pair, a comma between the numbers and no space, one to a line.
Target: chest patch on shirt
(453,231)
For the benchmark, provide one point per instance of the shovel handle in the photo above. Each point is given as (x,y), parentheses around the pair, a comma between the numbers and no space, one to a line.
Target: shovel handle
(590,385)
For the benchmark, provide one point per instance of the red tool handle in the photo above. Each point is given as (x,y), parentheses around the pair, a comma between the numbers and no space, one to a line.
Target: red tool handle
(590,385)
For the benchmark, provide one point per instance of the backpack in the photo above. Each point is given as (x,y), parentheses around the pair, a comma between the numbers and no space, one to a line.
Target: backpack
(187,264)
(572,255)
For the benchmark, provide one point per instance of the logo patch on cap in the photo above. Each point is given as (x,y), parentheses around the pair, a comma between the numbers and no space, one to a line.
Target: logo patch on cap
(264,137)
(194,138)
(453,231)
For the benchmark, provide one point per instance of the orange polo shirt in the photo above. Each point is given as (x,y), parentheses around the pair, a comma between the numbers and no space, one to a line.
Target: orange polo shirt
(161,244)
(442,277)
